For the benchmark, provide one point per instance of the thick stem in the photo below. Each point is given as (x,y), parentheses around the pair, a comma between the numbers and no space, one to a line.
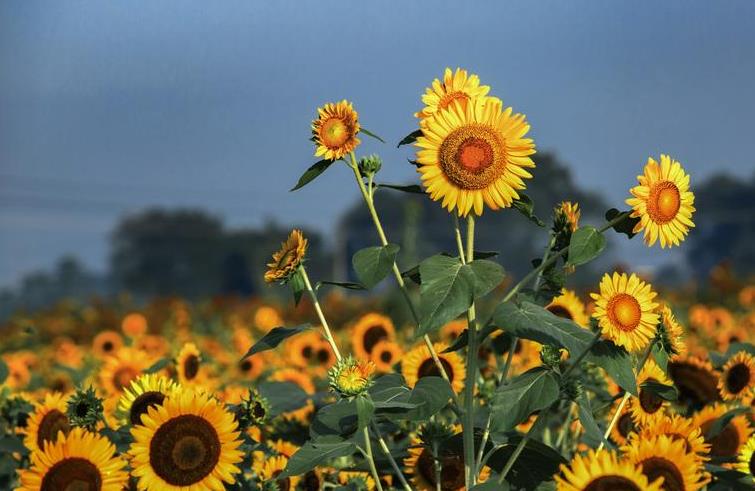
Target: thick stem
(371,459)
(471,380)
(320,315)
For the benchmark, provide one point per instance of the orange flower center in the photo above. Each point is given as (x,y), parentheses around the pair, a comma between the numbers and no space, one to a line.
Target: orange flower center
(664,202)
(475,154)
(334,133)
(624,311)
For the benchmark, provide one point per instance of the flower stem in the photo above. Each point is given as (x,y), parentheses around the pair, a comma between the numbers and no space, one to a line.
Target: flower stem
(320,315)
(371,459)
(387,452)
(471,379)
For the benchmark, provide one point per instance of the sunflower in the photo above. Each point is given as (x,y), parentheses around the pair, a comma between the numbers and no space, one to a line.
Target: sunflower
(269,469)
(569,306)
(729,335)
(267,317)
(154,346)
(568,213)
(385,354)
(46,421)
(80,460)
(190,442)
(746,459)
(144,392)
(602,470)
(473,155)
(673,333)
(451,331)
(455,86)
(188,363)
(695,380)
(106,343)
(368,331)
(420,467)
(625,426)
(120,369)
(649,406)
(728,442)
(738,377)
(250,367)
(677,428)
(350,376)
(300,350)
(134,325)
(419,363)
(287,259)
(625,310)
(358,480)
(663,457)
(663,202)
(335,130)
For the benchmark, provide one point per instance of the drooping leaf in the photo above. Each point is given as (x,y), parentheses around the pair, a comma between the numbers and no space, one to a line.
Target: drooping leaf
(298,285)
(665,392)
(626,225)
(526,207)
(463,340)
(531,391)
(660,356)
(616,362)
(586,244)
(410,138)
(367,132)
(310,174)
(283,396)
(407,188)
(728,479)
(273,338)
(372,264)
(430,395)
(348,285)
(446,291)
(316,453)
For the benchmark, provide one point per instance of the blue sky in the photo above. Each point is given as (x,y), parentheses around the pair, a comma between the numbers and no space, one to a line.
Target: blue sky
(108,107)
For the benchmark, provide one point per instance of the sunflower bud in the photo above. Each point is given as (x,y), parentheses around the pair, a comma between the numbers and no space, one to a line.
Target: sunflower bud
(253,411)
(370,165)
(550,356)
(571,389)
(435,433)
(85,409)
(351,377)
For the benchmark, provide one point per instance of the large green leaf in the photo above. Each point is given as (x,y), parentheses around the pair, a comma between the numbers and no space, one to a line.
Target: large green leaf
(273,338)
(446,291)
(721,423)
(298,285)
(430,395)
(537,463)
(282,396)
(488,275)
(531,391)
(310,174)
(338,419)
(617,362)
(586,244)
(530,321)
(316,453)
(390,393)
(372,264)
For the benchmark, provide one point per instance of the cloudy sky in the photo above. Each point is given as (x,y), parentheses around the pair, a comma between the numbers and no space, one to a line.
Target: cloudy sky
(108,107)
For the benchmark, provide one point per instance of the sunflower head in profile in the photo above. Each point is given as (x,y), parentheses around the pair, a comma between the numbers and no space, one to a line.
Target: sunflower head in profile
(188,363)
(664,457)
(569,306)
(456,86)
(567,216)
(79,460)
(625,310)
(335,130)
(676,427)
(663,203)
(351,377)
(419,363)
(603,470)
(369,330)
(287,259)
(356,480)
(474,155)
(746,459)
(671,334)
(188,442)
(48,419)
(385,355)
(728,442)
(649,406)
(738,377)
(146,391)
(120,369)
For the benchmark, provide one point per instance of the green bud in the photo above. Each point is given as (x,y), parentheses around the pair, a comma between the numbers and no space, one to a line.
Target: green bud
(370,165)
(550,356)
(253,410)
(85,409)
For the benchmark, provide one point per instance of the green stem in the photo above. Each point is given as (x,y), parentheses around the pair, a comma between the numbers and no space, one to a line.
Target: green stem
(469,386)
(371,459)
(387,452)
(520,447)
(320,315)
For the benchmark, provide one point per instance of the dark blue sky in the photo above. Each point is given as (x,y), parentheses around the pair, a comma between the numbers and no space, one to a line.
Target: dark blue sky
(107,107)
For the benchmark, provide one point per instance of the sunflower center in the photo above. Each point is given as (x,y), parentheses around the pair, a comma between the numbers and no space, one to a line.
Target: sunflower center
(612,483)
(451,474)
(184,450)
(697,386)
(334,133)
(142,404)
(52,423)
(386,356)
(738,378)
(283,484)
(373,336)
(624,311)
(664,202)
(323,355)
(473,156)
(107,346)
(123,377)
(246,365)
(310,481)
(656,467)
(428,368)
(560,311)
(306,352)
(649,401)
(725,444)
(626,425)
(72,474)
(191,367)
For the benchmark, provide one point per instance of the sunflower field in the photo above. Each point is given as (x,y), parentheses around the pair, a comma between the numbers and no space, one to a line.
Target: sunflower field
(496,383)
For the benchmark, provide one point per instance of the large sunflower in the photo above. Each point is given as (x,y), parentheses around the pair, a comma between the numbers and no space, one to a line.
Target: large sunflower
(625,310)
(730,439)
(474,155)
(335,130)
(746,459)
(649,406)
(287,258)
(569,306)
(46,421)
(696,381)
(80,460)
(678,428)
(190,442)
(368,331)
(663,202)
(738,377)
(419,363)
(146,391)
(120,369)
(603,471)
(455,86)
(662,456)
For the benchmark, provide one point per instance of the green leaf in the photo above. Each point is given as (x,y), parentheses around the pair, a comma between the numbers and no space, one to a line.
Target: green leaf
(273,338)
(592,430)
(626,225)
(410,138)
(367,132)
(665,392)
(338,419)
(536,464)
(488,275)
(446,291)
(310,174)
(412,274)
(283,396)
(526,207)
(365,410)
(159,365)
(298,286)
(12,444)
(390,392)
(531,391)
(718,425)
(316,453)
(530,321)
(430,395)
(586,244)
(3,371)
(408,188)
(341,284)
(660,356)
(616,362)
(372,264)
